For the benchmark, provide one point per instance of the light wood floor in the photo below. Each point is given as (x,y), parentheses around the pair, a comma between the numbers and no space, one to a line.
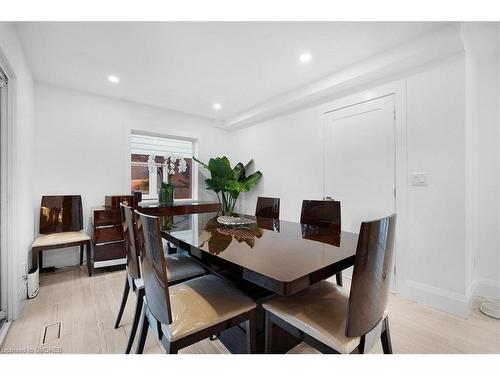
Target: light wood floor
(87,309)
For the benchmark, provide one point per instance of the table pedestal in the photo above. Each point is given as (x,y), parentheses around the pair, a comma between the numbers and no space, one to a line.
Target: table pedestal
(234,339)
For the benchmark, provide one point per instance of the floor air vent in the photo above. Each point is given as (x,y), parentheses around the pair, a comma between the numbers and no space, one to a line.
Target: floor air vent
(51,332)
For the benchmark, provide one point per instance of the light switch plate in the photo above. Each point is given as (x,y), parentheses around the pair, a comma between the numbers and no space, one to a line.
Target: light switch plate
(419,179)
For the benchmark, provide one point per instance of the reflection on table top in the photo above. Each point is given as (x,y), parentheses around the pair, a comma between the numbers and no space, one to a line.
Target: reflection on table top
(280,250)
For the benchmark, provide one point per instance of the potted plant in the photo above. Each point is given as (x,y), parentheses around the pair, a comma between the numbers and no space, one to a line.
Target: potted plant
(172,164)
(228,182)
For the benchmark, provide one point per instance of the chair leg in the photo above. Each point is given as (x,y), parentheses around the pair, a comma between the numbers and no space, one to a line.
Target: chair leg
(143,334)
(124,302)
(268,333)
(81,254)
(360,349)
(338,277)
(251,336)
(89,260)
(40,261)
(385,337)
(170,348)
(137,317)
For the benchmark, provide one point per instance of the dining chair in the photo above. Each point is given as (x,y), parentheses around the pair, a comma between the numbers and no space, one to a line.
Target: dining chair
(268,207)
(180,315)
(181,268)
(327,318)
(61,224)
(321,213)
(325,214)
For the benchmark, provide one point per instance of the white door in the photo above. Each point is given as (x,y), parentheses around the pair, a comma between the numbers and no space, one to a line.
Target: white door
(360,161)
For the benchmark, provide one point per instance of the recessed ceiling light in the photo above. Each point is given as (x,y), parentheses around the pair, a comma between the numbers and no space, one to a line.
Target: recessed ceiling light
(113,79)
(305,57)
(217,106)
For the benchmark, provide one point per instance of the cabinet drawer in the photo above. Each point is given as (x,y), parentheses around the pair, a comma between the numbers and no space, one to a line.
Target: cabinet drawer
(108,251)
(108,234)
(107,217)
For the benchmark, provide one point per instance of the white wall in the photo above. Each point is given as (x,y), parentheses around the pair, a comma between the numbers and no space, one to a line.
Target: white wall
(22,197)
(289,152)
(481,41)
(83,147)
(436,144)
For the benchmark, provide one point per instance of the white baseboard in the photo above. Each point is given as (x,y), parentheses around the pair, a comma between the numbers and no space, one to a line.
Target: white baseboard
(441,299)
(451,302)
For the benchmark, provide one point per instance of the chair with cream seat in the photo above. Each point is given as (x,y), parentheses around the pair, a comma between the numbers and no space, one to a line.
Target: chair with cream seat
(61,224)
(326,317)
(325,214)
(180,268)
(180,315)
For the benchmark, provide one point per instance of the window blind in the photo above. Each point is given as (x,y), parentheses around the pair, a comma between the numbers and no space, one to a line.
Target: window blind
(159,146)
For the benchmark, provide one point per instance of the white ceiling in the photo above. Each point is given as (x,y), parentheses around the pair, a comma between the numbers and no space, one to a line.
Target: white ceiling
(187,66)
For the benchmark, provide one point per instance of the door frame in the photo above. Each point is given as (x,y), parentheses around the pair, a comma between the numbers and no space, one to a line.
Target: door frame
(398,89)
(8,214)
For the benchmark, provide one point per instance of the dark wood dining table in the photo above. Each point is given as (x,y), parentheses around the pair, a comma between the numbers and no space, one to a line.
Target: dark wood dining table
(264,258)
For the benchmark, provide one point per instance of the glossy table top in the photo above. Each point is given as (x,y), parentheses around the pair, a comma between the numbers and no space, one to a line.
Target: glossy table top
(278,255)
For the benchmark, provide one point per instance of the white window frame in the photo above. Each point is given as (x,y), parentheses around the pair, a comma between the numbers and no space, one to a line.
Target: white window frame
(153,185)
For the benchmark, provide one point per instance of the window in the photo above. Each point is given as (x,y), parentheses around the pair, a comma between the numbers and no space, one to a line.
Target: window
(157,159)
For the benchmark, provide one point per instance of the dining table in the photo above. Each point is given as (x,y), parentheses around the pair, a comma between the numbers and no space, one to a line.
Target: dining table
(262,258)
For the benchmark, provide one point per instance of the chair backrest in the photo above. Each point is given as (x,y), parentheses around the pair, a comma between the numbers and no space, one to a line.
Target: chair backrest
(268,207)
(131,241)
(61,213)
(371,275)
(154,268)
(321,213)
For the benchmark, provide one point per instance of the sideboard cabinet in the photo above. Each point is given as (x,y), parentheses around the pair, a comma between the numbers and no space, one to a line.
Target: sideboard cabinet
(107,239)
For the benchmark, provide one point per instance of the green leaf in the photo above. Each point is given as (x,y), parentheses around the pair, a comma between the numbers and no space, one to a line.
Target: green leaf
(220,167)
(214,184)
(252,180)
(239,172)
(235,186)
